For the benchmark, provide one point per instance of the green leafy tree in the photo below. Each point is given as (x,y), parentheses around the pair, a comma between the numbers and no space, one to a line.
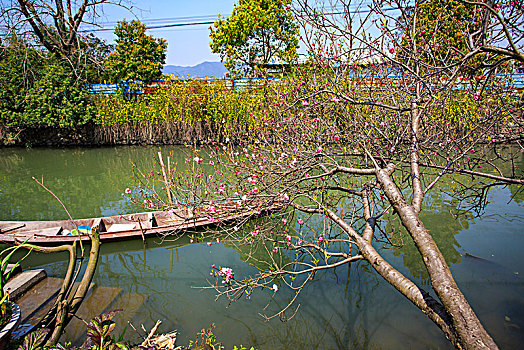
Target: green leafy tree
(443,30)
(137,57)
(95,51)
(39,89)
(257,32)
(20,66)
(58,99)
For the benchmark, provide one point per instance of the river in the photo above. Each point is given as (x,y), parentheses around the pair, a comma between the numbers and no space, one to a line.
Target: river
(340,308)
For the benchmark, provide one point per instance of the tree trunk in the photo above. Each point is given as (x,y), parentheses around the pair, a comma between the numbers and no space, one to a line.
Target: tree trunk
(470,332)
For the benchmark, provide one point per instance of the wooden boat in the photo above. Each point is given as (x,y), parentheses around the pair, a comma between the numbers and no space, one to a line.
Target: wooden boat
(113,228)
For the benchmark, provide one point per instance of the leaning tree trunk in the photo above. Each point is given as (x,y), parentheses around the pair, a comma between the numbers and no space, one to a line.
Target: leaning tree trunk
(469,331)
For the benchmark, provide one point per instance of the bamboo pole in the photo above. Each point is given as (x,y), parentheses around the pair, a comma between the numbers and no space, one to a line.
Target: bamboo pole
(168,187)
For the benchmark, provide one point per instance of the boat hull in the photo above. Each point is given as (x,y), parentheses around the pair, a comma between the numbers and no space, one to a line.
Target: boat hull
(113,228)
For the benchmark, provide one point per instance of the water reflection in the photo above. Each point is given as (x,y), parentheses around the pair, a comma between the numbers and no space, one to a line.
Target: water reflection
(443,225)
(339,309)
(88,180)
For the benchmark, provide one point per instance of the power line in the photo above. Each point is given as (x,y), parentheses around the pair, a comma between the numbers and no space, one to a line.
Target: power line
(172,19)
(152,27)
(336,11)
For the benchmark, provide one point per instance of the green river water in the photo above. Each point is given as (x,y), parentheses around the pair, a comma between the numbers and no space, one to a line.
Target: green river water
(338,309)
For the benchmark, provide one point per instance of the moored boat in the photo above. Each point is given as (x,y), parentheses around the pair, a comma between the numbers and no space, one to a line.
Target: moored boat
(112,228)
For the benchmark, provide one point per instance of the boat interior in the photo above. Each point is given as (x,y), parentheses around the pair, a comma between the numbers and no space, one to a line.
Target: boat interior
(110,224)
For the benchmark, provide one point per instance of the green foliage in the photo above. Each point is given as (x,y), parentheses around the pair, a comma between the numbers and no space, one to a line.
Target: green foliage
(5,313)
(5,255)
(99,336)
(137,56)
(442,30)
(186,103)
(57,99)
(99,333)
(20,67)
(37,89)
(256,32)
(95,51)
(35,340)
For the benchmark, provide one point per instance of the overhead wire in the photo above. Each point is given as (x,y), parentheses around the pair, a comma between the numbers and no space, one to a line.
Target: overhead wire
(155,23)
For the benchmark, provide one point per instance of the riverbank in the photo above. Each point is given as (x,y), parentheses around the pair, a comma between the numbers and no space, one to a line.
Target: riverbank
(166,133)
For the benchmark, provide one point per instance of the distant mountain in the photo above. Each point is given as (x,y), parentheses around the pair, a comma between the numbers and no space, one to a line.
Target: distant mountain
(210,69)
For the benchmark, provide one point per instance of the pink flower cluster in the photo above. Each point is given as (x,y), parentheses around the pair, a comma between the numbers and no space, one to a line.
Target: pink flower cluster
(476,96)
(226,273)
(284,196)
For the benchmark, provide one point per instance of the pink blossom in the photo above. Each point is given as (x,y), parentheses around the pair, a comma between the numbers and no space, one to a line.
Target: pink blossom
(288,238)
(392,51)
(337,138)
(304,103)
(211,163)
(300,221)
(275,250)
(127,191)
(197,160)
(476,96)
(227,273)
(319,149)
(284,220)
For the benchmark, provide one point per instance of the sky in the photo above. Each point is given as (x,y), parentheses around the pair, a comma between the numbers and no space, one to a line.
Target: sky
(187,45)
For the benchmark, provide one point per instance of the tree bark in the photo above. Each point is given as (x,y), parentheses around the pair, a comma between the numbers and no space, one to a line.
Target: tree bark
(470,332)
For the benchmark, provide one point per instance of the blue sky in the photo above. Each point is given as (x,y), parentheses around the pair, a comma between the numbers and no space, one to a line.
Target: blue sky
(187,46)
